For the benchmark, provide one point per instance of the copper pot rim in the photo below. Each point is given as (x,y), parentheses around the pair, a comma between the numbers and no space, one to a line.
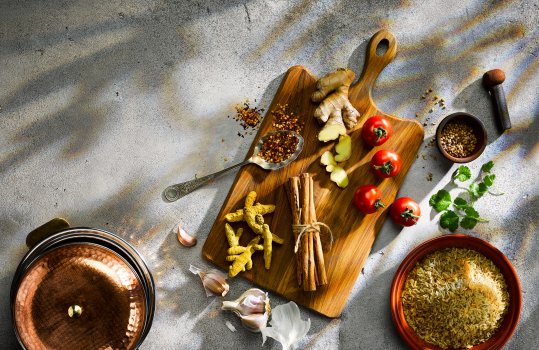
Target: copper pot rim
(91,236)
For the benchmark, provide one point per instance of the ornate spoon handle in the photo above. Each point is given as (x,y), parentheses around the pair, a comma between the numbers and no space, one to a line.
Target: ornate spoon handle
(174,192)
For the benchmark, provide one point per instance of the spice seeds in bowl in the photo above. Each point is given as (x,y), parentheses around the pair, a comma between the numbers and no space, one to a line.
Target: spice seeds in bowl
(472,247)
(461,137)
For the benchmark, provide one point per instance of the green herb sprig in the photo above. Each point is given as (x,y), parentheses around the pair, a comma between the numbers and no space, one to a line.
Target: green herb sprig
(463,212)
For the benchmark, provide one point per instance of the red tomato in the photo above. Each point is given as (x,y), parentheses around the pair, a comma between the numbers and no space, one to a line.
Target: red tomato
(376,130)
(386,163)
(405,212)
(367,199)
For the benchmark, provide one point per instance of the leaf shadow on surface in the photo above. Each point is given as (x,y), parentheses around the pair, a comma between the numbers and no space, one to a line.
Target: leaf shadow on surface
(148,52)
(173,261)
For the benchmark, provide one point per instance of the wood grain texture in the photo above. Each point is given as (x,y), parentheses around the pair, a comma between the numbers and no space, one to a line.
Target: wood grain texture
(354,233)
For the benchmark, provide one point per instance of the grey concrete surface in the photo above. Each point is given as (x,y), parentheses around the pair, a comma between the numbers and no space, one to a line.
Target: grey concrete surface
(104,104)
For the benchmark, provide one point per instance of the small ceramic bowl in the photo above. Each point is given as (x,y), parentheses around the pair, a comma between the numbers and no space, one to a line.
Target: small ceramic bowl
(510,320)
(479,132)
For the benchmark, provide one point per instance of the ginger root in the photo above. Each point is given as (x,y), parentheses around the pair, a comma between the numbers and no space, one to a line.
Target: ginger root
(243,261)
(335,110)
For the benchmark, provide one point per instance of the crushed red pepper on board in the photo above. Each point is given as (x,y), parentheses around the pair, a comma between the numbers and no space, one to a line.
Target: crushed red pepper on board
(286,120)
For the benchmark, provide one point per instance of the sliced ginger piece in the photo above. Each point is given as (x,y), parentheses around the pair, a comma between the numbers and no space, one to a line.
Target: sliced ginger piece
(343,148)
(338,175)
(328,160)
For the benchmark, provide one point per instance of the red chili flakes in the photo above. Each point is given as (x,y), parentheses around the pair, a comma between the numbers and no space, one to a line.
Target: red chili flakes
(286,120)
(278,147)
(248,117)
(281,146)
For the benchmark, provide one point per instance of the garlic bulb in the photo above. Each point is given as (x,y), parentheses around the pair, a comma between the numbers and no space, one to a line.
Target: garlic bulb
(214,281)
(253,308)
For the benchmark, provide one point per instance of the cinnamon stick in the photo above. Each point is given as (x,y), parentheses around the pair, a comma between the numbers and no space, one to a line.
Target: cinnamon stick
(307,238)
(294,199)
(311,271)
(319,254)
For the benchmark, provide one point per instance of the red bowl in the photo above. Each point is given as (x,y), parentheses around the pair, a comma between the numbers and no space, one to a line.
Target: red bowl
(510,321)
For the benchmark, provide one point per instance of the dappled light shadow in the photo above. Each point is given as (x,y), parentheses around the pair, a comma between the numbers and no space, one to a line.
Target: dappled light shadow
(81,76)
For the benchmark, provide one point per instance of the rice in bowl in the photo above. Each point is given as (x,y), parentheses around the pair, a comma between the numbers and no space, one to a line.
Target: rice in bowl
(455,298)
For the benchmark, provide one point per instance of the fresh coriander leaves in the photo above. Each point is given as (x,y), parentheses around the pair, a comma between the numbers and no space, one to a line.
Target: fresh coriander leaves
(471,212)
(468,222)
(489,180)
(487,167)
(441,200)
(478,189)
(460,203)
(463,213)
(449,220)
(462,173)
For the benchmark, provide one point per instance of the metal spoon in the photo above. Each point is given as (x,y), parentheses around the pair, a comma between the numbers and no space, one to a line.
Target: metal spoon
(175,192)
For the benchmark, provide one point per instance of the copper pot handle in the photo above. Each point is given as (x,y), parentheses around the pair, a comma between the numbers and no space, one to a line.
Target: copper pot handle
(46,230)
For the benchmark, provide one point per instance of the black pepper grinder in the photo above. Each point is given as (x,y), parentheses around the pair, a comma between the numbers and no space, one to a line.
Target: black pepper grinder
(492,81)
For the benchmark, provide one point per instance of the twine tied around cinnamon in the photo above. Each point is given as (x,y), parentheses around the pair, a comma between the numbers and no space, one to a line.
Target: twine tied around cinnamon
(300,230)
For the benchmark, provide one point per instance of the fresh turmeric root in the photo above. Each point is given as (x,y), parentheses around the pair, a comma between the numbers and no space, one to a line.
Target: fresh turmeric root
(232,237)
(252,214)
(243,261)
(268,239)
(260,209)
(335,110)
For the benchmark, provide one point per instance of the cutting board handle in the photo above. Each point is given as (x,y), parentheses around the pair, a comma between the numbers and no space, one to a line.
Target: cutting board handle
(374,64)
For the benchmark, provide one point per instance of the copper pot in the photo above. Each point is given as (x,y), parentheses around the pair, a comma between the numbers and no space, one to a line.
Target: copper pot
(81,288)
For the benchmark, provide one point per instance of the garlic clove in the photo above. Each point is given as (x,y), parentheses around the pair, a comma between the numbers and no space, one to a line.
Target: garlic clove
(252,301)
(255,322)
(184,238)
(214,281)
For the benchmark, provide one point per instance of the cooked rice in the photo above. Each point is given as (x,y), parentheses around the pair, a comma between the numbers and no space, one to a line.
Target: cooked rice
(455,298)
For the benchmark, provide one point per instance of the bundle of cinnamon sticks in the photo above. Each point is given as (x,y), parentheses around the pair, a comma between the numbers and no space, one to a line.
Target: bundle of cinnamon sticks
(311,270)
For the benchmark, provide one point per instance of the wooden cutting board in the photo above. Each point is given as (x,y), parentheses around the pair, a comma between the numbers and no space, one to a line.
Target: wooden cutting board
(354,233)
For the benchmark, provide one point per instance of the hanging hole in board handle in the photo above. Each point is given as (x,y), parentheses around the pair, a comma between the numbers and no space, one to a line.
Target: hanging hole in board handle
(382,47)
(381,50)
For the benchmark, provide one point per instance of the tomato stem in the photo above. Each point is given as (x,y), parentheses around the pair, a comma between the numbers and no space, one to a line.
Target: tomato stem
(408,213)
(378,203)
(379,132)
(386,167)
